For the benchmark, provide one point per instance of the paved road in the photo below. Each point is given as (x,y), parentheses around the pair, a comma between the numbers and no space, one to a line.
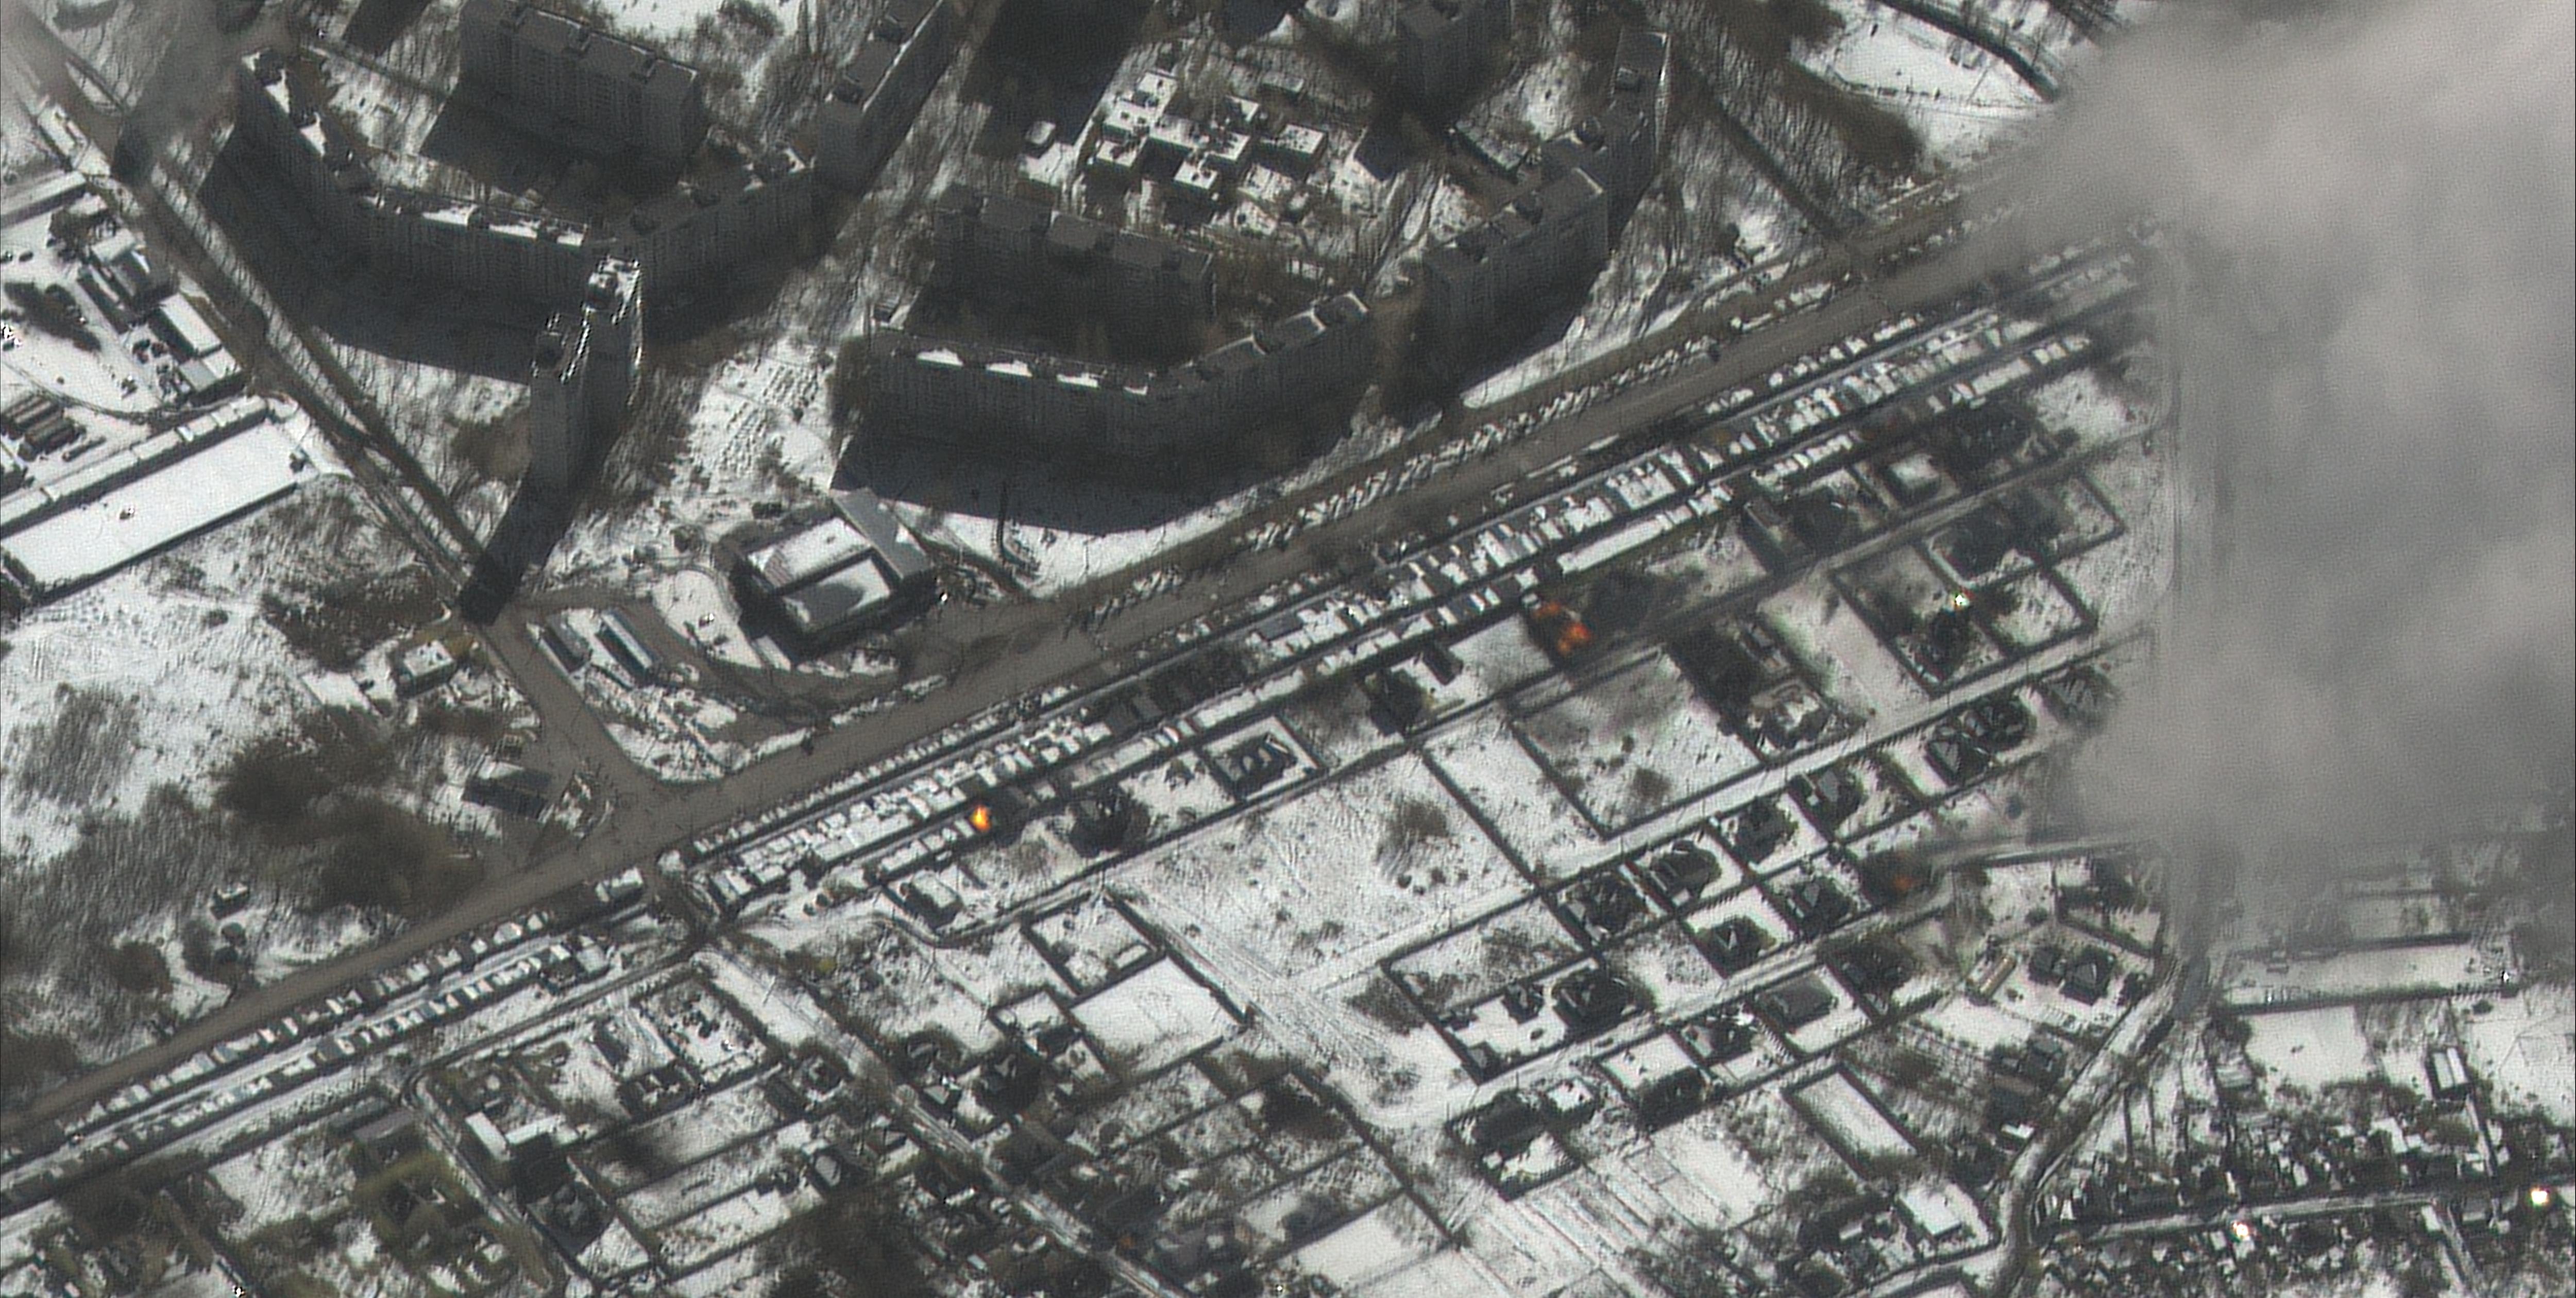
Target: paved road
(646,821)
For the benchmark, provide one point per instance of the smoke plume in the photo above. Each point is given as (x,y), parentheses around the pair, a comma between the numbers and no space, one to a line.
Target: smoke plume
(2371,211)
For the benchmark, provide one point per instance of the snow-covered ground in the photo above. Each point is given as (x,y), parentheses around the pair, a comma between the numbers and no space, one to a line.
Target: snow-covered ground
(1961,101)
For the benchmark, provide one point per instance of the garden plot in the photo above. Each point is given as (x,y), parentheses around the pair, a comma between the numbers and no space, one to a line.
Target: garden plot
(1154,1019)
(1146,1107)
(1732,1047)
(717,1045)
(1681,872)
(1312,1204)
(2314,1049)
(2032,612)
(1333,876)
(1653,1074)
(1512,792)
(1917,615)
(700,1184)
(698,1130)
(729,1224)
(1667,966)
(2524,1048)
(1634,743)
(1497,660)
(300,1178)
(1527,1020)
(1961,101)
(1715,565)
(1468,965)
(1841,1020)
(1850,1119)
(1390,1251)
(1854,797)
(2434,969)
(1732,1179)
(1090,944)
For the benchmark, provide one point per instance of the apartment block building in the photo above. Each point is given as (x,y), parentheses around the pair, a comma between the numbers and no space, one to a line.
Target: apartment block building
(701,228)
(1540,251)
(995,248)
(579,86)
(583,375)
(1620,145)
(1443,48)
(873,101)
(310,161)
(1024,403)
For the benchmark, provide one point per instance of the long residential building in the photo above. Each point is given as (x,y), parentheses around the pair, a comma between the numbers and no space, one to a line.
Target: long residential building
(1015,402)
(580,86)
(993,247)
(678,240)
(1620,145)
(873,101)
(702,227)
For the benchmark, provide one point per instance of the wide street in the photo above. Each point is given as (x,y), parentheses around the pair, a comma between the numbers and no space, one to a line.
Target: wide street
(642,818)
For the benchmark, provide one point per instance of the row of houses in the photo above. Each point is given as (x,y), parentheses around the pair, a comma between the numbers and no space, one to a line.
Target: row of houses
(1545,246)
(1024,403)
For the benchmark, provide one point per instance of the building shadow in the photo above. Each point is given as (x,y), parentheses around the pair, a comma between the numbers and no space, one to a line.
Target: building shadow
(1250,20)
(325,286)
(520,544)
(466,137)
(377,24)
(1100,499)
(1049,60)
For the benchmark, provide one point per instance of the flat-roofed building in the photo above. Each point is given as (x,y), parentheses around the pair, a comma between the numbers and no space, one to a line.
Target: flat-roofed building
(579,86)
(1620,144)
(856,569)
(313,163)
(872,103)
(480,248)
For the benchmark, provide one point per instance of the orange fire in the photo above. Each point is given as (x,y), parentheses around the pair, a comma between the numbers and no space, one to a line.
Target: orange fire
(1564,633)
(981,817)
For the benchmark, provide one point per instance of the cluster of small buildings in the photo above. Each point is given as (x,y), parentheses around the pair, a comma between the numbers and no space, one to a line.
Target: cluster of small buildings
(1544,248)
(1026,403)
(1139,132)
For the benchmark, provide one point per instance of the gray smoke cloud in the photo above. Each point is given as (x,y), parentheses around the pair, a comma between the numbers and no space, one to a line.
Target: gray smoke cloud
(2372,211)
